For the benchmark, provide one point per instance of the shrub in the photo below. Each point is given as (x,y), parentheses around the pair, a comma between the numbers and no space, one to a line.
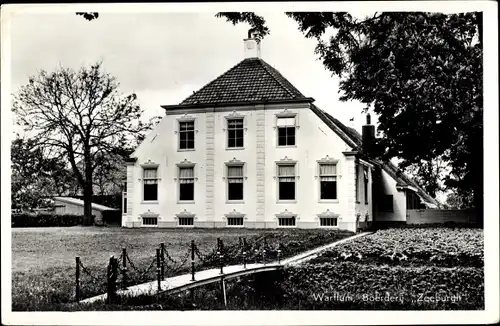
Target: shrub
(349,285)
(44,220)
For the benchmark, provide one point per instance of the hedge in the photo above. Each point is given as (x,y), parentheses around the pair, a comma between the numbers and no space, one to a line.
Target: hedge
(44,220)
(349,285)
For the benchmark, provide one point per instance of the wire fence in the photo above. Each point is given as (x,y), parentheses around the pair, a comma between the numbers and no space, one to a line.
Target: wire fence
(123,272)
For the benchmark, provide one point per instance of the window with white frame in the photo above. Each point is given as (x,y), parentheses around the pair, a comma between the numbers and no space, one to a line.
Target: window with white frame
(235,132)
(150,221)
(356,171)
(286,182)
(287,221)
(124,198)
(186,183)
(286,131)
(150,184)
(365,180)
(328,181)
(186,135)
(186,221)
(328,221)
(235,221)
(234,182)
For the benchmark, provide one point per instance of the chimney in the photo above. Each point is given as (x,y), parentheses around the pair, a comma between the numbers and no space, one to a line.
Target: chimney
(252,45)
(368,136)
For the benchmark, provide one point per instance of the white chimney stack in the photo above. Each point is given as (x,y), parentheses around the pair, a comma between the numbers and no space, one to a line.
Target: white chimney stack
(252,45)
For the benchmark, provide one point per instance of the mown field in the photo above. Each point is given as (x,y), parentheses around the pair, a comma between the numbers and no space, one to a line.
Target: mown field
(43,259)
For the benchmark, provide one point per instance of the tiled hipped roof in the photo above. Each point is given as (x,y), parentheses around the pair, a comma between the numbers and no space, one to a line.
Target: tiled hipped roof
(250,80)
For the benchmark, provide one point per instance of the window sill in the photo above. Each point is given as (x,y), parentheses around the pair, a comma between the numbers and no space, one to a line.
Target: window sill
(287,226)
(235,202)
(185,202)
(287,146)
(154,202)
(329,201)
(234,226)
(186,150)
(234,148)
(185,226)
(294,201)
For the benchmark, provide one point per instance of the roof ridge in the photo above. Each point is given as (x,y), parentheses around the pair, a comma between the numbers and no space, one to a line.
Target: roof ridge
(266,65)
(213,81)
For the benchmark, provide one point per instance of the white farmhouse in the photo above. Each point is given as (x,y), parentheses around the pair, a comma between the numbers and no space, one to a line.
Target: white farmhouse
(250,150)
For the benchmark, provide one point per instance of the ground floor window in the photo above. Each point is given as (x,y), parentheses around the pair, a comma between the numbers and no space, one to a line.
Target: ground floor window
(186,221)
(328,221)
(149,221)
(286,221)
(386,204)
(235,221)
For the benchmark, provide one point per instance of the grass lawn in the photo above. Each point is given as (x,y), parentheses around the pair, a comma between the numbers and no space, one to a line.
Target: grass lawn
(43,259)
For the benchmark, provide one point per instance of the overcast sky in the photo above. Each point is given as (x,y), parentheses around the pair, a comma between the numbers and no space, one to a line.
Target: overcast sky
(164,57)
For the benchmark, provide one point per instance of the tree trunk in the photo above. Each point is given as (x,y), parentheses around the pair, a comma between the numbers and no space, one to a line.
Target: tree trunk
(87,204)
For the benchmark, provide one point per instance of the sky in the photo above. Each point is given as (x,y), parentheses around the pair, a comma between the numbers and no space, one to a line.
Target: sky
(164,57)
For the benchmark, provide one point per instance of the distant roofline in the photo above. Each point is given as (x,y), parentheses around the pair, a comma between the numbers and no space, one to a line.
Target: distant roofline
(226,104)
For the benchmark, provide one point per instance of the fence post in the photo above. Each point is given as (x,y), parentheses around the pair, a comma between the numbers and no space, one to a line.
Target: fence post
(124,268)
(256,256)
(77,279)
(162,247)
(264,256)
(192,260)
(279,253)
(158,269)
(245,253)
(111,279)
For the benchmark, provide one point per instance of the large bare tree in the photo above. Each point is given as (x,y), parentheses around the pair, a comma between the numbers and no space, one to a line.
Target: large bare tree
(81,116)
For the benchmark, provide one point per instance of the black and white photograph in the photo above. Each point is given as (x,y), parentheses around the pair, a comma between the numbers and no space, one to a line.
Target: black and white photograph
(220,163)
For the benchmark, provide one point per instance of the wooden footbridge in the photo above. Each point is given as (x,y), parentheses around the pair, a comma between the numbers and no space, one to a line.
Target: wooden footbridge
(189,281)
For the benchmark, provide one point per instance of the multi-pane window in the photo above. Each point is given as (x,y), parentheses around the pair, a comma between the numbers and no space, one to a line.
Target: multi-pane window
(235,133)
(150,180)
(186,135)
(186,221)
(235,221)
(328,181)
(328,221)
(149,221)
(286,221)
(124,198)
(235,182)
(365,180)
(286,131)
(186,183)
(286,182)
